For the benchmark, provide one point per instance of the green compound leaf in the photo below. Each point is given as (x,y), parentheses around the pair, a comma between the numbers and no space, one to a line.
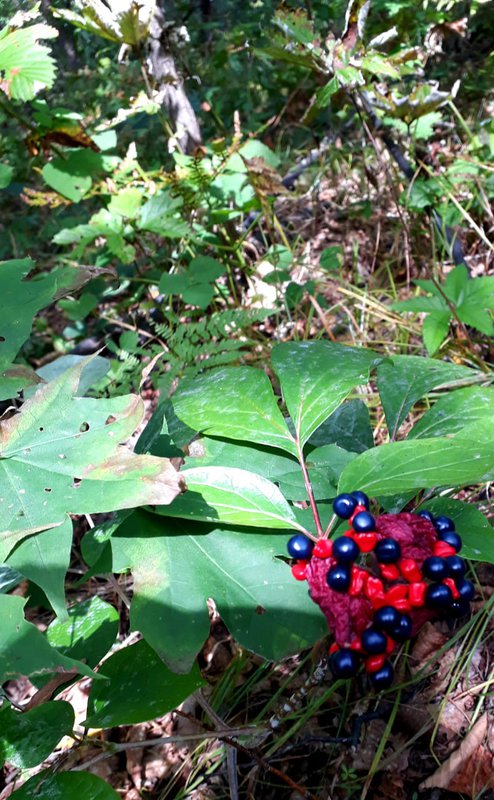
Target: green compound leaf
(44,559)
(61,455)
(235,403)
(177,566)
(475,530)
(23,648)
(454,411)
(316,377)
(402,380)
(27,738)
(140,688)
(231,495)
(49,785)
(421,464)
(88,633)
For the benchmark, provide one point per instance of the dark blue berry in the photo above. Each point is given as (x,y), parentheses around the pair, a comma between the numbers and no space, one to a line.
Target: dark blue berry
(466,590)
(383,678)
(363,522)
(299,546)
(344,505)
(338,578)
(426,515)
(402,631)
(374,641)
(362,499)
(438,596)
(344,663)
(387,618)
(444,524)
(387,551)
(435,568)
(452,538)
(345,550)
(459,608)
(456,566)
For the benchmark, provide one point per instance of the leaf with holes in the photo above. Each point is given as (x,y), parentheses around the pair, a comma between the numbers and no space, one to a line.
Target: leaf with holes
(316,377)
(178,564)
(61,454)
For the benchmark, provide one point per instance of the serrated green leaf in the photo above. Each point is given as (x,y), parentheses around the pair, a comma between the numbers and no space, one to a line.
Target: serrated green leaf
(26,65)
(421,304)
(50,785)
(140,687)
(27,738)
(316,377)
(454,410)
(402,380)
(435,328)
(233,496)
(61,455)
(420,464)
(235,403)
(177,565)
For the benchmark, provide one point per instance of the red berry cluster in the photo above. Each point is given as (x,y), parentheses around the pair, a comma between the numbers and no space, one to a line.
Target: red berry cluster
(380,581)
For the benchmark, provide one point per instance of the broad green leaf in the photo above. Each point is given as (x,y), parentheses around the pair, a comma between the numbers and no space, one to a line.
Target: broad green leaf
(471,314)
(379,65)
(316,377)
(475,530)
(140,687)
(253,148)
(420,464)
(349,427)
(23,648)
(267,462)
(58,177)
(50,785)
(26,66)
(435,328)
(176,566)
(456,284)
(92,371)
(158,214)
(6,175)
(419,304)
(235,403)
(88,633)
(27,738)
(454,410)
(44,559)
(231,495)
(61,455)
(402,380)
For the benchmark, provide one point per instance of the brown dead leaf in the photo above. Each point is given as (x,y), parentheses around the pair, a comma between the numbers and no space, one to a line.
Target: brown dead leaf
(469,769)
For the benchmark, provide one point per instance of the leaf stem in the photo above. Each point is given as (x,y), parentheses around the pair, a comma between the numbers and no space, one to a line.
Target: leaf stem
(310,493)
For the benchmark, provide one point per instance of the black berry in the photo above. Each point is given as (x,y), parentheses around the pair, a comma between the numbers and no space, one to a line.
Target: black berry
(363,522)
(426,515)
(373,641)
(387,618)
(299,546)
(451,538)
(344,663)
(344,505)
(383,678)
(459,608)
(362,499)
(338,578)
(444,524)
(402,631)
(456,566)
(438,596)
(435,568)
(466,590)
(345,550)
(387,551)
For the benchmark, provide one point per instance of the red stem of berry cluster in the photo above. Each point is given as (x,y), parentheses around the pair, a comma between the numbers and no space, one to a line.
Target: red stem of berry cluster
(310,493)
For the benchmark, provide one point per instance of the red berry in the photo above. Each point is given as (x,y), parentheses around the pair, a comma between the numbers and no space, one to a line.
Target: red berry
(389,571)
(416,594)
(444,549)
(410,570)
(397,592)
(299,570)
(334,648)
(323,548)
(452,585)
(366,541)
(358,578)
(374,663)
(374,589)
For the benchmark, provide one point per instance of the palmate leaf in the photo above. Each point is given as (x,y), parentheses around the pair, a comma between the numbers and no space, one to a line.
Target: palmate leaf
(26,66)
(178,565)
(124,22)
(61,455)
